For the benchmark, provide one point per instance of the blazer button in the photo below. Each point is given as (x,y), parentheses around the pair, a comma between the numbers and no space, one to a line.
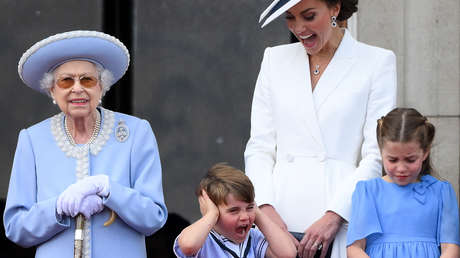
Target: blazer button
(322,158)
(290,158)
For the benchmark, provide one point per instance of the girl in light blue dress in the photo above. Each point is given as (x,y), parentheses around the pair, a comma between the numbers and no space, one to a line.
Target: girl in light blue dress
(407,212)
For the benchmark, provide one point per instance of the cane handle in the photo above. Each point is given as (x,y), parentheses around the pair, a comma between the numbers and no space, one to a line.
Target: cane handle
(113,215)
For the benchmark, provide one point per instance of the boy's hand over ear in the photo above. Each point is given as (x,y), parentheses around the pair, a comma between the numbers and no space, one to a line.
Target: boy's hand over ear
(192,238)
(207,206)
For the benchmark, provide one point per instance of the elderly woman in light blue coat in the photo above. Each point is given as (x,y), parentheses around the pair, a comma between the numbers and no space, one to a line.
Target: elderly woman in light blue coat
(86,160)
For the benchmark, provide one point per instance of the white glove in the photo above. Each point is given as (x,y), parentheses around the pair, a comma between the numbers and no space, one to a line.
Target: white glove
(69,201)
(90,205)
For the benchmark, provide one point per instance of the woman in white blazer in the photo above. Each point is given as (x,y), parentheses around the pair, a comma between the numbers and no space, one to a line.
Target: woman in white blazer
(313,123)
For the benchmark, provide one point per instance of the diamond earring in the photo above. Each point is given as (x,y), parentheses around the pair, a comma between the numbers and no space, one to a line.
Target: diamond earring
(333,21)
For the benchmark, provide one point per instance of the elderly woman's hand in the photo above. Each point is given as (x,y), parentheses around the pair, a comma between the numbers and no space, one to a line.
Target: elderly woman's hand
(91,205)
(69,201)
(320,235)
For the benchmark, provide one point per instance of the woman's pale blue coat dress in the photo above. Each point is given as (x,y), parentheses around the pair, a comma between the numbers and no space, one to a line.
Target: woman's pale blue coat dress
(45,164)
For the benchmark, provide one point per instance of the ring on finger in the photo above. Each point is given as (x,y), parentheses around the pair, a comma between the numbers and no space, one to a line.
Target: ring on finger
(320,246)
(314,245)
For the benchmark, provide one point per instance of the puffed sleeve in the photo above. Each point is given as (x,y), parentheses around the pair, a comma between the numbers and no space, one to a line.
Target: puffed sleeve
(364,219)
(28,222)
(141,206)
(260,150)
(382,99)
(449,219)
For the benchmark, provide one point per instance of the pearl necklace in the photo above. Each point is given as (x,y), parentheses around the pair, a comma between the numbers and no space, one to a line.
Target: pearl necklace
(96,128)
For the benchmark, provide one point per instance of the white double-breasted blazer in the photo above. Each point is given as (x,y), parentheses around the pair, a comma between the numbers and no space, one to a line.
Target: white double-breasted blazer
(307,149)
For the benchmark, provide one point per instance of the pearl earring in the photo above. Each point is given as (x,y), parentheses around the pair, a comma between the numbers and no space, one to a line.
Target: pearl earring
(333,21)
(54,101)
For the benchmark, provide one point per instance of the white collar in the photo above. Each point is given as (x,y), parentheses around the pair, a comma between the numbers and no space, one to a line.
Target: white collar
(238,249)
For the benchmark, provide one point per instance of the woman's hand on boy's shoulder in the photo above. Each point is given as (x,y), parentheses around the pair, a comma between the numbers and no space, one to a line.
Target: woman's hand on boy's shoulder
(207,206)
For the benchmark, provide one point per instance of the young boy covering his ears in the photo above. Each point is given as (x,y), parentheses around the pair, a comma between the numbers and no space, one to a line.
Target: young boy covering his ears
(226,197)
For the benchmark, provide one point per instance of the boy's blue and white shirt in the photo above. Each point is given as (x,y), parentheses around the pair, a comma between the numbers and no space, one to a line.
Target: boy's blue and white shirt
(216,245)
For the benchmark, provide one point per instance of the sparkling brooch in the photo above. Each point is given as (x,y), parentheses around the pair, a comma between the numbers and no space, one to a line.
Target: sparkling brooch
(121,131)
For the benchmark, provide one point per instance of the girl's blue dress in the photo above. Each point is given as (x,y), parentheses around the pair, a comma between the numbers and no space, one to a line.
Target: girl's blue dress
(404,221)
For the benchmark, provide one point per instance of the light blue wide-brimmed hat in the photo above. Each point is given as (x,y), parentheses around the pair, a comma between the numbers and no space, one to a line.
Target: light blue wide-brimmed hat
(275,9)
(94,46)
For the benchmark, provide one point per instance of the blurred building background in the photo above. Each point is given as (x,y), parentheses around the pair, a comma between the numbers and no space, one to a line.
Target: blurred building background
(194,66)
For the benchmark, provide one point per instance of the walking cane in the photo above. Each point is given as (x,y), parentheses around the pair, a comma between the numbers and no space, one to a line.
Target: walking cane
(78,242)
(79,227)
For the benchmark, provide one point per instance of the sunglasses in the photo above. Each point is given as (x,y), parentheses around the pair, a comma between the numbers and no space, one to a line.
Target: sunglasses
(68,81)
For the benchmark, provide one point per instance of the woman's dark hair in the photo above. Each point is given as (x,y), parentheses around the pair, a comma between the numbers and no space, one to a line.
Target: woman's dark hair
(347,8)
(406,125)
